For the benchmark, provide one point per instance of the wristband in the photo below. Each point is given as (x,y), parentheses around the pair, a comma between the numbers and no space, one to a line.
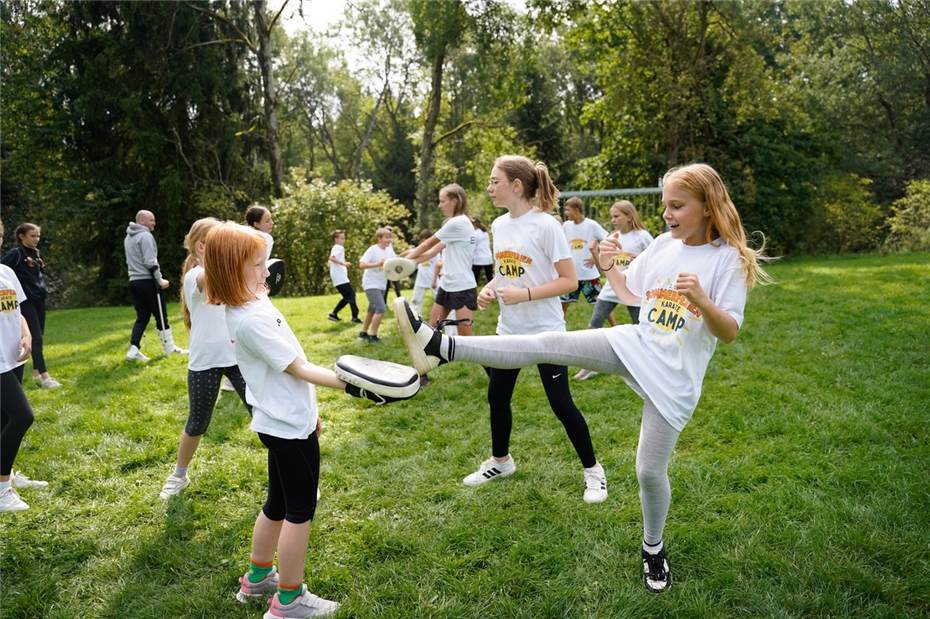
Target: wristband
(611,266)
(529,295)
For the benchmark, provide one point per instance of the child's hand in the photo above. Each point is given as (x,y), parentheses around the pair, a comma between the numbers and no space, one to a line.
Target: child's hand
(608,250)
(689,285)
(511,295)
(319,427)
(485,297)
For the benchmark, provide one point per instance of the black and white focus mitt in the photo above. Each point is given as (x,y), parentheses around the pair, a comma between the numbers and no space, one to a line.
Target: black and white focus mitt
(381,382)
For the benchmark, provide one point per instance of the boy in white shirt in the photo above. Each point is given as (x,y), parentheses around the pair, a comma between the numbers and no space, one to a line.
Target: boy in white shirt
(338,273)
(374,282)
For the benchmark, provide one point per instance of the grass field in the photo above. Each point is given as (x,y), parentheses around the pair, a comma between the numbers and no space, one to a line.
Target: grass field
(800,488)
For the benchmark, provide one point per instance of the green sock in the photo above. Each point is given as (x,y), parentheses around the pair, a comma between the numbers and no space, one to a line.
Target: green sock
(288,594)
(258,572)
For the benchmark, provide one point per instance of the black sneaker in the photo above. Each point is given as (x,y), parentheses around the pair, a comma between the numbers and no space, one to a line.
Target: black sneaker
(657,575)
(363,336)
(374,339)
(422,341)
(333,317)
(356,321)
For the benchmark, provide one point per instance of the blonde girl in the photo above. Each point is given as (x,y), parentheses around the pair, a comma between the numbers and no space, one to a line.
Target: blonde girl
(456,240)
(281,390)
(692,284)
(212,356)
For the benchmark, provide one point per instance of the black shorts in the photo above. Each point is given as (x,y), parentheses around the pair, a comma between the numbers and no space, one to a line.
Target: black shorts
(457,300)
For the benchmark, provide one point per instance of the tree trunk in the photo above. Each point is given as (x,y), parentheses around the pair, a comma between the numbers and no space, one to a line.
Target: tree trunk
(424,195)
(270,100)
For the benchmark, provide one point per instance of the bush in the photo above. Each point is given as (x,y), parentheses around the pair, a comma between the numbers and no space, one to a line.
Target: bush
(909,224)
(306,217)
(845,218)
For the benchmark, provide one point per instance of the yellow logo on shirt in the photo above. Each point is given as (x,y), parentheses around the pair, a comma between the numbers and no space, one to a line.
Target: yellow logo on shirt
(8,300)
(577,244)
(510,264)
(623,260)
(670,309)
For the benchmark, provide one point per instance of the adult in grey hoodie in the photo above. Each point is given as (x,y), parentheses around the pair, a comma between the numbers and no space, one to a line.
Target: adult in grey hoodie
(147,286)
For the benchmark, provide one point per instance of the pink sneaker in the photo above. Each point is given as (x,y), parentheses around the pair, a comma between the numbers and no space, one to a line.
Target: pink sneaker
(249,590)
(304,606)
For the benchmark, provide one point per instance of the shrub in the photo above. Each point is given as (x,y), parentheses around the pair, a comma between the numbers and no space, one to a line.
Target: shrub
(306,217)
(845,218)
(909,224)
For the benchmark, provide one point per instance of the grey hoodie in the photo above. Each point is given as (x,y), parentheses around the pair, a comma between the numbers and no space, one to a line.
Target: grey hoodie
(141,253)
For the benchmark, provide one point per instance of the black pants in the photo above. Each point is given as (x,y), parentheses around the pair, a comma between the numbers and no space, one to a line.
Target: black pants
(15,418)
(487,269)
(146,304)
(33,310)
(293,476)
(555,382)
(203,387)
(348,298)
(387,289)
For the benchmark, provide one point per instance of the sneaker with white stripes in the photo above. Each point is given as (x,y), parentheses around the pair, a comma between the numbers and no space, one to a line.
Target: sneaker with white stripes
(174,486)
(595,484)
(490,470)
(18,480)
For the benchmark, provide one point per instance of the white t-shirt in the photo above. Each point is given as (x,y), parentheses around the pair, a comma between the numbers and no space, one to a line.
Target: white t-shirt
(482,248)
(282,405)
(425,273)
(338,273)
(269,243)
(11,330)
(632,243)
(374,277)
(458,235)
(579,236)
(526,249)
(668,351)
(210,346)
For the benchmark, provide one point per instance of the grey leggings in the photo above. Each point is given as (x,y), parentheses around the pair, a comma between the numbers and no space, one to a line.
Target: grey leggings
(590,349)
(602,310)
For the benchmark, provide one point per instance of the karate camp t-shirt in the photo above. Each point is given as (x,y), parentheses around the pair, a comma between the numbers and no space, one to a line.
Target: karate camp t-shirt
(526,249)
(458,235)
(11,330)
(668,351)
(210,345)
(579,236)
(632,243)
(282,405)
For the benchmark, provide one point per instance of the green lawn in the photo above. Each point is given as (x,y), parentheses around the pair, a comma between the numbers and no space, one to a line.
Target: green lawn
(800,488)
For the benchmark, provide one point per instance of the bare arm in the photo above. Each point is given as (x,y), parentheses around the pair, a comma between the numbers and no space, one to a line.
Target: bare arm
(314,374)
(25,340)
(566,281)
(422,248)
(720,323)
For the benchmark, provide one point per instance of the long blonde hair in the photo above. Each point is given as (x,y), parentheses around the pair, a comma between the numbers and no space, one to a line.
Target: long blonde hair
(702,181)
(535,178)
(196,234)
(626,207)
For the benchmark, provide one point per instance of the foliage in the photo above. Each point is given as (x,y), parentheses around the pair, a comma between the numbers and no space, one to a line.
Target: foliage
(808,443)
(847,218)
(306,217)
(909,224)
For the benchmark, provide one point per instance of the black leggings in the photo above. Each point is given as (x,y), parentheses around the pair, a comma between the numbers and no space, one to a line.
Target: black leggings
(555,382)
(293,476)
(387,289)
(15,418)
(146,304)
(487,269)
(33,310)
(203,386)
(348,298)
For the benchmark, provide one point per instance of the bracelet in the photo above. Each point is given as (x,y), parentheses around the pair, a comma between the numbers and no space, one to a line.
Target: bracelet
(529,295)
(611,266)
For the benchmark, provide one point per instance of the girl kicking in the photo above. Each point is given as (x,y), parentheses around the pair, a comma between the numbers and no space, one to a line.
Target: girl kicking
(281,389)
(212,356)
(692,284)
(533,266)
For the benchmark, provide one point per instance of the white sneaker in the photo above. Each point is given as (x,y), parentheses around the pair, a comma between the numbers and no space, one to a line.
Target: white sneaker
(422,341)
(490,470)
(134,354)
(10,501)
(174,486)
(19,480)
(585,374)
(595,484)
(48,383)
(304,606)
(226,384)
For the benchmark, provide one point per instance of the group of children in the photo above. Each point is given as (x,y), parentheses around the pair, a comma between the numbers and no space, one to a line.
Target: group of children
(689,286)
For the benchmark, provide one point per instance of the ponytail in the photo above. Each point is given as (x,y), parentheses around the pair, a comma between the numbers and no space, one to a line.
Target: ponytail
(546,191)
